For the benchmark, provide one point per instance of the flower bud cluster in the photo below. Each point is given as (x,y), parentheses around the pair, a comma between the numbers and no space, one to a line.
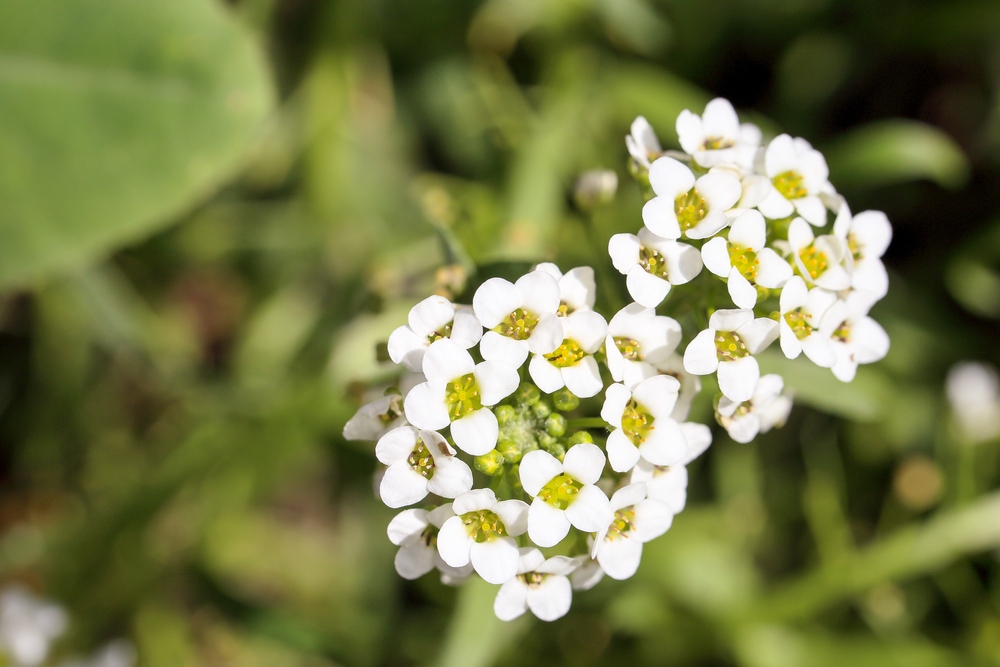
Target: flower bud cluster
(488,421)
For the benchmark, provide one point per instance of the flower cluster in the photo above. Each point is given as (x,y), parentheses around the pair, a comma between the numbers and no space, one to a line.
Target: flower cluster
(489,420)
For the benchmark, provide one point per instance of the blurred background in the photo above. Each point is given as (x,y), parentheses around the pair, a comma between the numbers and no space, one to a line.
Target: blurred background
(211,212)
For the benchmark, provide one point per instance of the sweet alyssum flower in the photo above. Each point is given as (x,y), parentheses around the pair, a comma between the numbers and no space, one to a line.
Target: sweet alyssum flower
(420,462)
(415,532)
(375,419)
(802,310)
(540,585)
(798,175)
(744,260)
(652,264)
(819,260)
(642,423)
(572,364)
(564,493)
(637,520)
(639,343)
(521,317)
(577,288)
(717,137)
(458,392)
(431,320)
(728,346)
(482,532)
(856,338)
(642,143)
(685,205)
(767,408)
(669,483)
(867,236)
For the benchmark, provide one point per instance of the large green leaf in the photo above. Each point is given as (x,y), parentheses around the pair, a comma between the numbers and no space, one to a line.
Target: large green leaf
(114,116)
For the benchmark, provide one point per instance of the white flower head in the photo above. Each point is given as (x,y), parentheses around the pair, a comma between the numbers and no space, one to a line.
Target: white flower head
(431,320)
(28,626)
(420,462)
(481,533)
(637,520)
(564,493)
(415,532)
(856,338)
(867,236)
(458,392)
(685,205)
(642,143)
(767,408)
(744,261)
(375,419)
(973,390)
(728,346)
(652,264)
(716,137)
(690,385)
(577,288)
(572,364)
(642,424)
(521,317)
(639,341)
(798,175)
(540,585)
(802,310)
(819,260)
(669,483)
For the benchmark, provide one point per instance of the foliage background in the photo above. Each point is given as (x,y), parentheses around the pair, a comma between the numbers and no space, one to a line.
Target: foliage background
(208,214)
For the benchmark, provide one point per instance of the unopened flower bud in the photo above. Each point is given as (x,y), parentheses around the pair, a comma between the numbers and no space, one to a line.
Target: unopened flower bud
(527,394)
(594,188)
(580,437)
(564,400)
(490,463)
(511,450)
(555,424)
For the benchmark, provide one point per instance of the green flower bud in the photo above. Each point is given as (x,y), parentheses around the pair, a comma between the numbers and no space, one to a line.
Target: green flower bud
(580,437)
(555,424)
(505,413)
(511,450)
(564,400)
(556,449)
(527,394)
(542,409)
(491,463)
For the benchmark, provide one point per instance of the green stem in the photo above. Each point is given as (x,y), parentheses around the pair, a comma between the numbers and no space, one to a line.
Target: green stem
(586,422)
(476,637)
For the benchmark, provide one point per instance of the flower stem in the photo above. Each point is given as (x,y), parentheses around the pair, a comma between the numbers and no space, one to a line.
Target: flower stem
(587,422)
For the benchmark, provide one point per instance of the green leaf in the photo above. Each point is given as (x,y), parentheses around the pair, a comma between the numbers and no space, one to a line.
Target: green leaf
(114,117)
(896,151)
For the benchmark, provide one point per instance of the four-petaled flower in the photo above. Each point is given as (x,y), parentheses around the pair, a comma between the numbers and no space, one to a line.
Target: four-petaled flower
(642,423)
(420,462)
(801,313)
(639,343)
(415,532)
(744,261)
(717,137)
(540,585)
(431,320)
(577,288)
(637,520)
(728,346)
(482,532)
(685,205)
(652,264)
(798,175)
(669,483)
(767,408)
(520,317)
(572,364)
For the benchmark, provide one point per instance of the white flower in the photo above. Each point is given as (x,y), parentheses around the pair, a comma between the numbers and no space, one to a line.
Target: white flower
(638,342)
(642,143)
(572,364)
(481,532)
(798,175)
(588,572)
(867,235)
(669,483)
(521,317)
(716,137)
(415,532)
(766,409)
(819,260)
(974,395)
(457,392)
(642,423)
(744,261)
(431,320)
(727,346)
(577,289)
(856,338)
(652,264)
(28,626)
(695,207)
(564,493)
(420,462)
(690,385)
(637,519)
(375,419)
(540,585)
(802,311)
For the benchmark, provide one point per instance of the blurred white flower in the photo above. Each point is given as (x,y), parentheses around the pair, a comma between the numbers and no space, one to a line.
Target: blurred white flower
(973,390)
(119,653)
(28,626)
(767,408)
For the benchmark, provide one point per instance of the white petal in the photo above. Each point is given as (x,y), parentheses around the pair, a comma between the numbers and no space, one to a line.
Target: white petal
(683,262)
(799,234)
(494,300)
(624,251)
(430,315)
(539,292)
(660,218)
(514,514)
(495,347)
(619,558)
(587,328)
(547,526)
(511,600)
(622,453)
(749,230)
(812,209)
(584,463)
(401,485)
(758,334)
(775,206)
(711,224)
(445,360)
(698,437)
(835,279)
(551,599)
(658,394)
(647,289)
(743,294)
(720,119)
(454,542)
(701,356)
(425,407)
(547,377)
(793,294)
(666,444)
(473,501)
(578,288)
(670,178)
(588,575)
(406,524)
(873,231)
(614,360)
(584,378)
(529,558)
(536,469)
(396,445)
(496,381)
(721,190)
(729,319)
(773,271)
(790,345)
(466,329)
(562,565)
(407,348)
(744,428)
(628,496)
(590,510)
(819,350)
(871,343)
(452,477)
(439,515)
(547,335)
(414,560)
(690,134)
(738,379)
(652,519)
(495,561)
(616,398)
(780,156)
(476,433)
(549,268)
(870,275)
(715,255)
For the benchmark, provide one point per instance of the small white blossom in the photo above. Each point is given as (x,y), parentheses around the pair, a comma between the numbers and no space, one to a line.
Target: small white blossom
(744,261)
(766,409)
(856,338)
(521,317)
(802,310)
(652,264)
(642,143)
(639,341)
(819,260)
(642,424)
(540,585)
(415,532)
(588,572)
(572,364)
(690,385)
(375,419)
(669,483)
(685,205)
(716,137)
(728,346)
(458,392)
(28,626)
(564,493)
(637,520)
(798,175)
(577,288)
(973,390)
(431,320)
(420,462)
(481,532)
(866,235)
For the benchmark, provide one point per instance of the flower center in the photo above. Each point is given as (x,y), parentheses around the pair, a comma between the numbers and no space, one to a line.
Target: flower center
(430,536)
(462,396)
(533,579)
(636,422)
(568,354)
(814,261)
(563,309)
(561,491)
(843,332)
(690,209)
(629,348)
(484,525)
(729,347)
(622,524)
(745,260)
(443,332)
(717,143)
(798,322)
(857,250)
(790,185)
(518,325)
(653,262)
(420,459)
(393,412)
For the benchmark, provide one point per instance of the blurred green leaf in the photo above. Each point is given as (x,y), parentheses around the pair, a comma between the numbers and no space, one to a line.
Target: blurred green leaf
(115,116)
